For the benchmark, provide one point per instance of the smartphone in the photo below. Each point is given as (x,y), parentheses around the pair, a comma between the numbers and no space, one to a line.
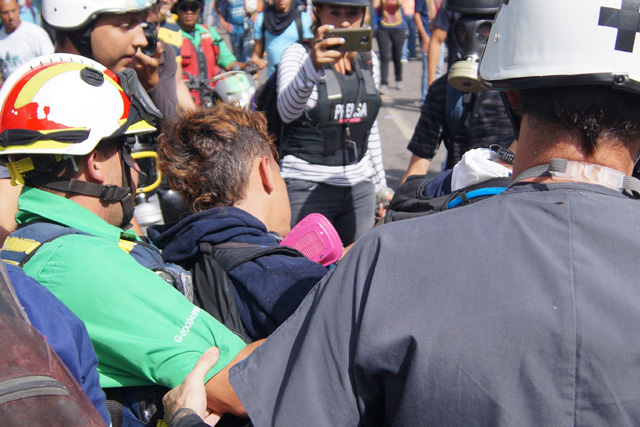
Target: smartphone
(355,39)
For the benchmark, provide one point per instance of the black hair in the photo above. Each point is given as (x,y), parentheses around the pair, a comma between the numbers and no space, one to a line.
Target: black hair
(589,112)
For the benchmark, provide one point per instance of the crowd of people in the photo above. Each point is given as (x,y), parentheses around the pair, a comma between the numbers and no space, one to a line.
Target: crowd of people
(499,292)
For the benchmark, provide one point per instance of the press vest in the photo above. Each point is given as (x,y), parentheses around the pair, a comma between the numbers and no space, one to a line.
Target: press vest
(347,107)
(201,60)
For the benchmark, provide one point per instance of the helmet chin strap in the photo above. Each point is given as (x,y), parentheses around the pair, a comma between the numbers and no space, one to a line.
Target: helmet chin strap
(81,39)
(106,193)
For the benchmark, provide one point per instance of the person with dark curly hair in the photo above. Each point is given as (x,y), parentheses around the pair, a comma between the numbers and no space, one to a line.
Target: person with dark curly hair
(223,163)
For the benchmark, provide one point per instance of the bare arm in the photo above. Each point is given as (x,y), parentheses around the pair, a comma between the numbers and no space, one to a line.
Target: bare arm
(220,395)
(185,100)
(417,166)
(8,207)
(424,37)
(258,54)
(438,36)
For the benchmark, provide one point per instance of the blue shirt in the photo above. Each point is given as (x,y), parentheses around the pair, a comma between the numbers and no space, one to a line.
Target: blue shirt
(423,10)
(275,45)
(63,331)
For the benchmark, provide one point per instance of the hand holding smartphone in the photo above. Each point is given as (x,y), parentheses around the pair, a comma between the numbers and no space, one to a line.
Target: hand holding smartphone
(355,39)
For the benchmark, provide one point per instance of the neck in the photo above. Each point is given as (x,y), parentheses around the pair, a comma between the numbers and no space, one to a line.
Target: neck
(12,31)
(537,145)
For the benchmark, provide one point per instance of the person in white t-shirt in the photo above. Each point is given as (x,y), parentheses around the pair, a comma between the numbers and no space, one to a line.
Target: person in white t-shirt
(19,41)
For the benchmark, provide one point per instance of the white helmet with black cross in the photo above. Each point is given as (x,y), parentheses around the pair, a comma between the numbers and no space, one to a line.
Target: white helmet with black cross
(546,43)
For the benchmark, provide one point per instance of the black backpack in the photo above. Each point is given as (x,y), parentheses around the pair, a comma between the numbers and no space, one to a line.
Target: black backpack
(36,388)
(266,96)
(212,287)
(409,200)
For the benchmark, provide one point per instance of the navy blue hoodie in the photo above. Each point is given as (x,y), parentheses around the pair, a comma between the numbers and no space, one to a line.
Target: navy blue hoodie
(267,290)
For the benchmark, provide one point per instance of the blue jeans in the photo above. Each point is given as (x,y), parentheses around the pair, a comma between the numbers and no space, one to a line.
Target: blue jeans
(351,210)
(425,70)
(241,44)
(409,47)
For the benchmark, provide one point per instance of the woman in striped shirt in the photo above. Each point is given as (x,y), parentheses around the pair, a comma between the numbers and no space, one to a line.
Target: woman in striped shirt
(328,100)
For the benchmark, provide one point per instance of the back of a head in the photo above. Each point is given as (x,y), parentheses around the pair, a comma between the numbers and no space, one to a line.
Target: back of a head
(573,60)
(207,154)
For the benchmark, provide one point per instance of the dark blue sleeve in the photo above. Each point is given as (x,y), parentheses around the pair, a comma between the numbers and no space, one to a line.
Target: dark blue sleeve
(439,185)
(443,19)
(271,288)
(64,332)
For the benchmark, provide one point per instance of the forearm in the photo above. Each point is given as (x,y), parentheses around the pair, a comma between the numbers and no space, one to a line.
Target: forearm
(221,397)
(417,166)
(297,77)
(435,45)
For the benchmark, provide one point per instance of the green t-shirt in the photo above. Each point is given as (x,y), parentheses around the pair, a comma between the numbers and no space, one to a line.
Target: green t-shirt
(143,330)
(226,56)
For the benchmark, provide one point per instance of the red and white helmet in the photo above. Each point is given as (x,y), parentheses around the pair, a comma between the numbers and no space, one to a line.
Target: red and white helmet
(544,43)
(64,105)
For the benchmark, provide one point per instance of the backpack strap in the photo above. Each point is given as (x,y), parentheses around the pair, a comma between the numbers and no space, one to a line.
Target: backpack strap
(23,244)
(230,255)
(298,19)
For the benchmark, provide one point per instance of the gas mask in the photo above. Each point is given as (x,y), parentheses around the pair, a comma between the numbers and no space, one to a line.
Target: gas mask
(471,34)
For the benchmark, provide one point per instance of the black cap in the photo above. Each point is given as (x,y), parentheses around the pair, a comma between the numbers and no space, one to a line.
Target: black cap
(473,7)
(356,3)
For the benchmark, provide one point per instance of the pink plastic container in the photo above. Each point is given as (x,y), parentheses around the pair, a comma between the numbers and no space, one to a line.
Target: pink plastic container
(315,237)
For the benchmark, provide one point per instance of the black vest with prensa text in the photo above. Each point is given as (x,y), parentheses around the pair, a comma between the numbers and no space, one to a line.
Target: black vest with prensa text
(347,104)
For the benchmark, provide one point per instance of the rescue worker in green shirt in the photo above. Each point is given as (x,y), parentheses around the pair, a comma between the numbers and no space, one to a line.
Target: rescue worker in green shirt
(204,53)
(68,125)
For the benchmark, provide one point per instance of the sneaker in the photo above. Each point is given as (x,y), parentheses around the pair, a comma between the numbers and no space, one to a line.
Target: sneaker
(383,89)
(404,60)
(399,85)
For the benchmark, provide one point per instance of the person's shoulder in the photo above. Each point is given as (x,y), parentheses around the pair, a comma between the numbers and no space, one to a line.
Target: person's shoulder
(170,24)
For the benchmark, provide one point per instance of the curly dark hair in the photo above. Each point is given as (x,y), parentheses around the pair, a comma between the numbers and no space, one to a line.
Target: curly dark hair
(207,154)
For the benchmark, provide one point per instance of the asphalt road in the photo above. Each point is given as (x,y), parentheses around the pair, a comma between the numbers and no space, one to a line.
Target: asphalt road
(397,119)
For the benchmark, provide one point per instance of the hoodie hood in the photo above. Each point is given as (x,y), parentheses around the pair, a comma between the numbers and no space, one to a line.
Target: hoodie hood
(179,241)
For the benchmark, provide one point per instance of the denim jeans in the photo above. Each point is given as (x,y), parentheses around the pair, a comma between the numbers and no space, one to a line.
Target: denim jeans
(409,47)
(351,210)
(242,44)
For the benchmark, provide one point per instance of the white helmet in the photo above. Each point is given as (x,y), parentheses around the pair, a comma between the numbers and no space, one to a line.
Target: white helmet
(75,14)
(543,43)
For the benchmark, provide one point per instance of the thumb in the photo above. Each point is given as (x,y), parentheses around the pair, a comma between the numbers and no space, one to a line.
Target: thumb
(204,364)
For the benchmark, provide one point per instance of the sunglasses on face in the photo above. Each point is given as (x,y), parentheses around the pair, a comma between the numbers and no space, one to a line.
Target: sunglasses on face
(189,7)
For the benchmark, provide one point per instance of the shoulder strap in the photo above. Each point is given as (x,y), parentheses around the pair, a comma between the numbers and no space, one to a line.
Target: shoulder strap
(233,254)
(298,19)
(584,172)
(23,243)
(364,68)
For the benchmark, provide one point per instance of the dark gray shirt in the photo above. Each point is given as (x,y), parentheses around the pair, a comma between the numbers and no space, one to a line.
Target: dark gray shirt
(522,309)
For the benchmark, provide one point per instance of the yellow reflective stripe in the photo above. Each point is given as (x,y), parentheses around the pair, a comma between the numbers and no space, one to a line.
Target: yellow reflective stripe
(12,262)
(126,245)
(45,144)
(17,244)
(171,37)
(34,84)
